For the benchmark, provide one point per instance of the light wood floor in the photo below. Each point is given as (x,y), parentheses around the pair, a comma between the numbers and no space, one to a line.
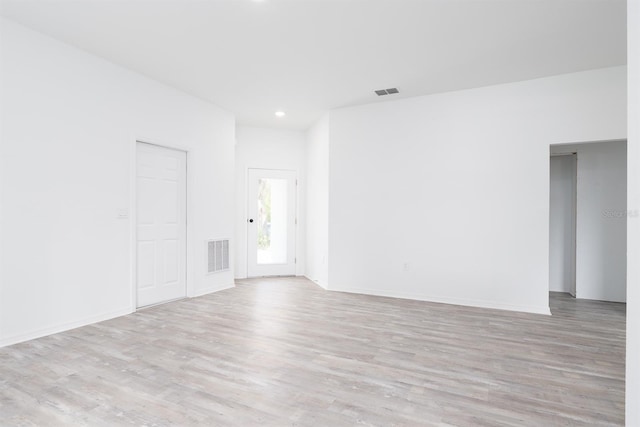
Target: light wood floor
(283,352)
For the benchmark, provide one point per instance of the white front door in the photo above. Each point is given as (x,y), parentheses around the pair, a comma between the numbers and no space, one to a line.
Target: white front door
(161,178)
(271,223)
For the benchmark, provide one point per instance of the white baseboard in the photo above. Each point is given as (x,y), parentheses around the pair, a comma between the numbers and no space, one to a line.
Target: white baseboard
(62,327)
(39,333)
(324,286)
(212,289)
(454,301)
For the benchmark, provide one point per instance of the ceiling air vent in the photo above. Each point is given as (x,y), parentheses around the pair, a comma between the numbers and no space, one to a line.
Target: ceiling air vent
(217,255)
(390,91)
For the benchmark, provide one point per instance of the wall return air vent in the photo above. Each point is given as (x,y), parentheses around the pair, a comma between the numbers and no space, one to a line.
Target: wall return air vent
(391,91)
(217,255)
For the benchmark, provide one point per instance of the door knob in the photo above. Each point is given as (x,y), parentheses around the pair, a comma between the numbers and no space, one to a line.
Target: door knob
(251,220)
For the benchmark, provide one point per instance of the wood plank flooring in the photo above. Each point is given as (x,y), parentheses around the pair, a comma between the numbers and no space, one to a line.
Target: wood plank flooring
(283,352)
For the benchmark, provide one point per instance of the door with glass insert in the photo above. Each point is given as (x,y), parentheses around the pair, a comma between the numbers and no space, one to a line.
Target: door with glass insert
(271,223)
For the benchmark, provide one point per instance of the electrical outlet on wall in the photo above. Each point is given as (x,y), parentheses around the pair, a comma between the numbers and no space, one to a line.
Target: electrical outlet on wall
(406,266)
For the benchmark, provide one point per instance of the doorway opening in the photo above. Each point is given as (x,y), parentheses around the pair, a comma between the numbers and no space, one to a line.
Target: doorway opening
(588,220)
(562,223)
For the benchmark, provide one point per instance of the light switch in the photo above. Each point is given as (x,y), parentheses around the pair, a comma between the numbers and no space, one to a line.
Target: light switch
(122,214)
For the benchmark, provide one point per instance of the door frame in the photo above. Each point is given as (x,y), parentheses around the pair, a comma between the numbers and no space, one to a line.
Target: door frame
(295,214)
(189,253)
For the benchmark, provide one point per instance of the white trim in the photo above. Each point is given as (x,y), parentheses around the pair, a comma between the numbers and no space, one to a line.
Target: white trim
(245,226)
(63,327)
(191,251)
(213,289)
(453,301)
(324,286)
(133,214)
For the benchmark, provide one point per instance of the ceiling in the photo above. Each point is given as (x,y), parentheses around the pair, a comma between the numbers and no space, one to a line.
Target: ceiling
(308,56)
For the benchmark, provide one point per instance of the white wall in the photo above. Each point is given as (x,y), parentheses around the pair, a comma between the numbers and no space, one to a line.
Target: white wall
(633,223)
(562,224)
(2,55)
(68,146)
(264,148)
(446,197)
(318,202)
(601,229)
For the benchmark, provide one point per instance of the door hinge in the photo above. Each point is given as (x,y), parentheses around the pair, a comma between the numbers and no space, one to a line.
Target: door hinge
(295,260)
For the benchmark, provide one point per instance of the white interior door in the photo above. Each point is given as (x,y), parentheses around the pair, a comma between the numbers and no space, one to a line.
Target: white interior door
(161,224)
(271,223)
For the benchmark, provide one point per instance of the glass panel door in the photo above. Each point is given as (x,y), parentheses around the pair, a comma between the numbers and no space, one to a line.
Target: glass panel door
(271,222)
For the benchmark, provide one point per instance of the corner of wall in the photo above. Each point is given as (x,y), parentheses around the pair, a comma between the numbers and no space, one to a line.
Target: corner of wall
(318,282)
(633,230)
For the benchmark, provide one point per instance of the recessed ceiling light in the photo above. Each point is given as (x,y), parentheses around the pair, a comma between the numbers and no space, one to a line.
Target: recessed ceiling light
(280,114)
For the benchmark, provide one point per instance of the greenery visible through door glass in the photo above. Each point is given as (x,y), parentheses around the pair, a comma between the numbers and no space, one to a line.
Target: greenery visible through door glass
(264,214)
